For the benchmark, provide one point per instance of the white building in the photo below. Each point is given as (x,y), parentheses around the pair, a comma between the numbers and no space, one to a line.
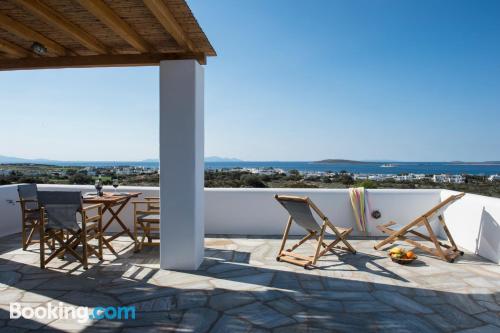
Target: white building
(456,179)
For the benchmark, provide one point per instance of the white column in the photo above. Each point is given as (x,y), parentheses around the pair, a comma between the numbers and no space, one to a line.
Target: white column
(181,164)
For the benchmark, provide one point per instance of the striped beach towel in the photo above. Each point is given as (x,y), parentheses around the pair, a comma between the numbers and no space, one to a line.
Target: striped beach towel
(357,195)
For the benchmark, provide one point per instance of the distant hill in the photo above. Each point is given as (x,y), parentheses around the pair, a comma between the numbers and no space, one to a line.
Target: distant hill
(476,163)
(10,159)
(340,161)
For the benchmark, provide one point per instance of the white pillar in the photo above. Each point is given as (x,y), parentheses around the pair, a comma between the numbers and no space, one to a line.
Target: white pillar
(181,164)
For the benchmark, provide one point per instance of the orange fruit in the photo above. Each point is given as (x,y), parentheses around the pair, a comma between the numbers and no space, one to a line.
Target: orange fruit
(410,254)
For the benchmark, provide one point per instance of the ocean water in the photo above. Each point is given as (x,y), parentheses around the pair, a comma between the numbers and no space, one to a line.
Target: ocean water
(368,168)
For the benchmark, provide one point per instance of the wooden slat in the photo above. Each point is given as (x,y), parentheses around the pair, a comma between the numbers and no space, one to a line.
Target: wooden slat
(93,61)
(159,9)
(55,19)
(13,49)
(298,262)
(296,255)
(28,34)
(106,15)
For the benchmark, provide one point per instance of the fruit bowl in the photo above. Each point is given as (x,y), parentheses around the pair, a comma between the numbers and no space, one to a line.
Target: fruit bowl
(403,261)
(401,256)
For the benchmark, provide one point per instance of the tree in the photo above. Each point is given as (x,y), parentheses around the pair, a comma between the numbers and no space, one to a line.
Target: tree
(346,179)
(252,181)
(367,184)
(80,179)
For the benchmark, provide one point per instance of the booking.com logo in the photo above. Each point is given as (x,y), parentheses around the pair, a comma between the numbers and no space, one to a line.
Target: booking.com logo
(81,314)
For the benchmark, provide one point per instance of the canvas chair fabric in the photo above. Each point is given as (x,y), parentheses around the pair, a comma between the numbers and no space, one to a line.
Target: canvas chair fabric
(61,208)
(301,214)
(28,193)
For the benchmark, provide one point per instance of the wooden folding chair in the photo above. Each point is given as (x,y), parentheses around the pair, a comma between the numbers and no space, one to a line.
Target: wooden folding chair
(299,209)
(447,252)
(30,213)
(146,222)
(58,215)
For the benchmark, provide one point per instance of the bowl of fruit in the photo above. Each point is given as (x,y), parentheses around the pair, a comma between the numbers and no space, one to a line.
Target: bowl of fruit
(401,256)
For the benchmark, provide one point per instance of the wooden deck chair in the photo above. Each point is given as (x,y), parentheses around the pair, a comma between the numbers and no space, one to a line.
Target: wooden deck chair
(58,215)
(146,222)
(30,213)
(300,211)
(447,252)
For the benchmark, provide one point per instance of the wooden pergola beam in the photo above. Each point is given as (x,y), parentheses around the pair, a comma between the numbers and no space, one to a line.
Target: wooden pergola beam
(28,34)
(160,10)
(106,15)
(117,60)
(13,49)
(55,19)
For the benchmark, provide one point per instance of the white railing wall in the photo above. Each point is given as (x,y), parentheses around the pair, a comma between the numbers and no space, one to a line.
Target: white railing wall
(256,212)
(474,220)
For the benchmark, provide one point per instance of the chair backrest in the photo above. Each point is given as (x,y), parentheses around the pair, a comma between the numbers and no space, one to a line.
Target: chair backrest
(61,208)
(300,210)
(28,195)
(439,208)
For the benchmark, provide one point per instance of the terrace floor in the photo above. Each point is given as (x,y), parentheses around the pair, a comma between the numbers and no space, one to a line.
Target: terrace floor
(241,288)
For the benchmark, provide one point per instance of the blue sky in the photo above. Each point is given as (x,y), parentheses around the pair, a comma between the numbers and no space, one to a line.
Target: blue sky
(399,80)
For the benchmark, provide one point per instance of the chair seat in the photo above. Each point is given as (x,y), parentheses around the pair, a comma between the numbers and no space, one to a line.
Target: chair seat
(152,218)
(89,225)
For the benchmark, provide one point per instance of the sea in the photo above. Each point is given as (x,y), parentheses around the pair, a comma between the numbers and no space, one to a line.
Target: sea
(364,168)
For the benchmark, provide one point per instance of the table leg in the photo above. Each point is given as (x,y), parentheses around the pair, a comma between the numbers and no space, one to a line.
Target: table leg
(114,216)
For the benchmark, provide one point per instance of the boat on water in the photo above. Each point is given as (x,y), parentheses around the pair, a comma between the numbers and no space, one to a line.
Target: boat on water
(388,165)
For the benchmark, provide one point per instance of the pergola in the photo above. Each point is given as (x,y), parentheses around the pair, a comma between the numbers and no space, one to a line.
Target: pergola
(37,34)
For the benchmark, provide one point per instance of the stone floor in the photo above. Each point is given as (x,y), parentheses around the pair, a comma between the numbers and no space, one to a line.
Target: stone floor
(241,288)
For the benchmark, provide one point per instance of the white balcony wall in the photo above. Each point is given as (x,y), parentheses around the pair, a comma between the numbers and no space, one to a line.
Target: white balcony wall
(10,213)
(474,222)
(256,212)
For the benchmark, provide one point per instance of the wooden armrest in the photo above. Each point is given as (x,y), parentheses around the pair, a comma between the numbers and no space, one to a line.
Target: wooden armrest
(152,198)
(93,218)
(86,208)
(155,212)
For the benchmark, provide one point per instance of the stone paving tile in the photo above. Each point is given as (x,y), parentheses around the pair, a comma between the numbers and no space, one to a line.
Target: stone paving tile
(261,315)
(197,320)
(482,329)
(231,324)
(490,317)
(241,288)
(366,306)
(402,322)
(464,303)
(440,322)
(286,306)
(455,316)
(191,299)
(230,300)
(401,302)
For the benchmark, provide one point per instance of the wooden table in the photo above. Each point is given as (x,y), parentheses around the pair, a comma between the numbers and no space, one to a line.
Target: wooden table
(113,204)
